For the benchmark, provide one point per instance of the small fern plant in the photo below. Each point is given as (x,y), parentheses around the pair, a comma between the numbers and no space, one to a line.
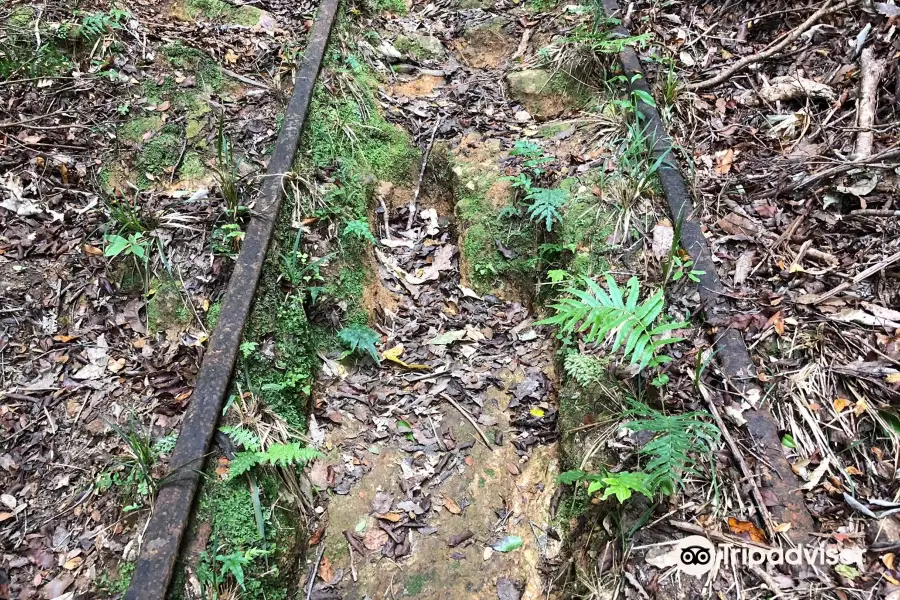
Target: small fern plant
(677,439)
(358,231)
(545,204)
(613,315)
(677,445)
(276,455)
(584,368)
(360,339)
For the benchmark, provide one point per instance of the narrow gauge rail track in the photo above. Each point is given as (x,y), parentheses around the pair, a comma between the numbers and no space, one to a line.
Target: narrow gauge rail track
(172,511)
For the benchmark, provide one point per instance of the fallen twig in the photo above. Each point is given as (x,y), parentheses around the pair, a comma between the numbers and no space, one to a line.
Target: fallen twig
(745,62)
(469,418)
(415,198)
(882,264)
(871,70)
(835,170)
(245,79)
(314,572)
(874,212)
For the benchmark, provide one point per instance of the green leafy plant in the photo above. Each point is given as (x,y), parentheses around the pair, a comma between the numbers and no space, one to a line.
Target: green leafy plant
(533,154)
(545,204)
(226,171)
(358,230)
(133,245)
(677,267)
(277,455)
(584,368)
(677,438)
(214,571)
(360,339)
(97,24)
(628,323)
(622,485)
(135,471)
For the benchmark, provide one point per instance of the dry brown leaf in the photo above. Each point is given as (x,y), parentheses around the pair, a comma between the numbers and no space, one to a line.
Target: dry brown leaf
(747,529)
(888,560)
(840,404)
(724,160)
(326,571)
(375,539)
(391,516)
(222,467)
(451,505)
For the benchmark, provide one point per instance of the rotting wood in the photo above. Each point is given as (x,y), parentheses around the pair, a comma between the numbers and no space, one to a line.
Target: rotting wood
(871,70)
(172,510)
(731,349)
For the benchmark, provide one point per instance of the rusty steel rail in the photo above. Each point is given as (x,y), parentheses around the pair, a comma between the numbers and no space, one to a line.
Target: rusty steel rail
(731,349)
(172,509)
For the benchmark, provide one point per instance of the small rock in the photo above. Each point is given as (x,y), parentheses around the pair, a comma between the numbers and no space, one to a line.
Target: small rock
(523,116)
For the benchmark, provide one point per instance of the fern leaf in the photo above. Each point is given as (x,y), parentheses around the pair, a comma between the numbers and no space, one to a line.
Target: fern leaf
(241,463)
(242,437)
(286,455)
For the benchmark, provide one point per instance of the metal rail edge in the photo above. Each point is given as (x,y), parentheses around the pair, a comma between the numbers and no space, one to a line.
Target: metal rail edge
(172,510)
(731,349)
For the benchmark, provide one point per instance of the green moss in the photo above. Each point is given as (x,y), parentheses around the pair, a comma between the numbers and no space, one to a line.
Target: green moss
(118,581)
(587,224)
(482,227)
(166,308)
(246,16)
(416,583)
(192,167)
(135,129)
(537,6)
(419,47)
(212,315)
(196,62)
(20,54)
(158,155)
(227,506)
(394,6)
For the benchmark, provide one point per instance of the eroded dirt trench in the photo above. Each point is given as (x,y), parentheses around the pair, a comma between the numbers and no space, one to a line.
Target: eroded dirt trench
(441,461)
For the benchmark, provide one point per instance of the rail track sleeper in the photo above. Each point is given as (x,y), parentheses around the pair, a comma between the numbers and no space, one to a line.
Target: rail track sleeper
(165,531)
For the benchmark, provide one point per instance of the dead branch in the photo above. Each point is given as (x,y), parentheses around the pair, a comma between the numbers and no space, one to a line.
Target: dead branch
(415,198)
(871,70)
(772,50)
(835,170)
(882,264)
(469,418)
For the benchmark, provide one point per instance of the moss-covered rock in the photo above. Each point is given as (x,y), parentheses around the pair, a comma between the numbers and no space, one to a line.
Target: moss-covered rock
(420,46)
(166,308)
(543,94)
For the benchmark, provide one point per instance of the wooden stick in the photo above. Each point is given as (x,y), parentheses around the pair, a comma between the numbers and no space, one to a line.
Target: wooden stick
(755,58)
(864,275)
(315,571)
(469,418)
(415,198)
(871,70)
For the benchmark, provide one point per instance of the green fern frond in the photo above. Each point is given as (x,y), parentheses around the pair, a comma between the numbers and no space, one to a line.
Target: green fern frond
(678,439)
(360,339)
(242,463)
(584,368)
(616,315)
(545,204)
(287,455)
(242,437)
